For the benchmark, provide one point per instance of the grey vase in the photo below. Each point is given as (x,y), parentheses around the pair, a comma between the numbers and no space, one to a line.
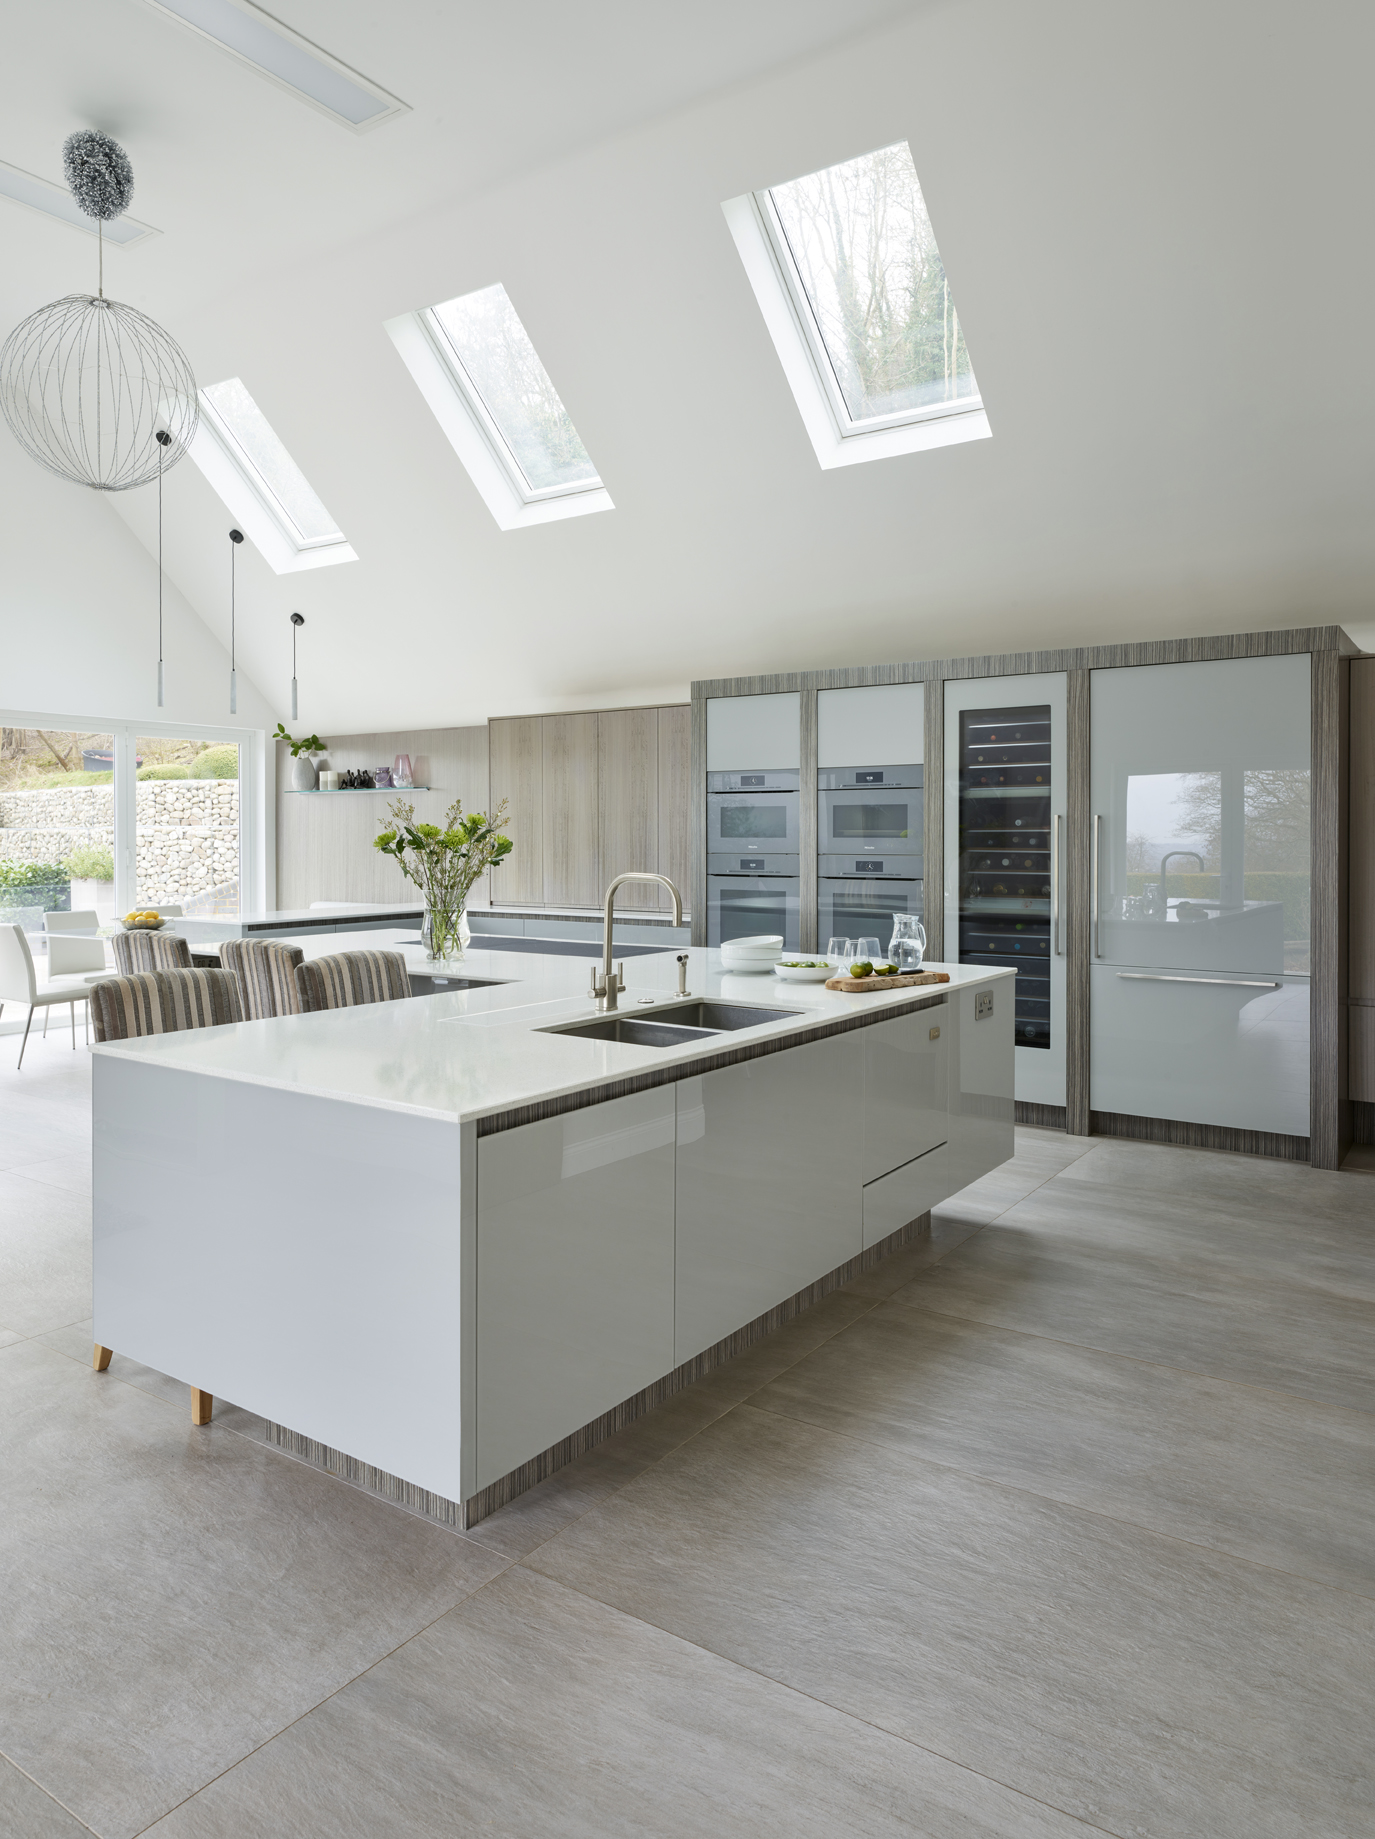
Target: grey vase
(303,773)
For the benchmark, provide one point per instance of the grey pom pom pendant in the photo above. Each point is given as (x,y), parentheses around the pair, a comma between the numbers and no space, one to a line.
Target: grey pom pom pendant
(99,175)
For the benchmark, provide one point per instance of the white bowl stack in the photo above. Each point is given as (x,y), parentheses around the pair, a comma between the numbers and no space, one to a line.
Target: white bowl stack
(752,955)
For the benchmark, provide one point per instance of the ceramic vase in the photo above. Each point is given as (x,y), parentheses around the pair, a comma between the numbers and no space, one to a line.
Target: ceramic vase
(303,773)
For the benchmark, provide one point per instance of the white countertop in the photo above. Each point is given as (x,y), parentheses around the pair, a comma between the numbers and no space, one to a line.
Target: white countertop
(469,1053)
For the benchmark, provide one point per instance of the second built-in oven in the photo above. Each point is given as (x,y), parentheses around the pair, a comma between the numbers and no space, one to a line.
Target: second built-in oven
(746,906)
(869,811)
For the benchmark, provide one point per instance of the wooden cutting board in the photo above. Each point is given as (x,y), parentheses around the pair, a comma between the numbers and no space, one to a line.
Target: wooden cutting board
(904,982)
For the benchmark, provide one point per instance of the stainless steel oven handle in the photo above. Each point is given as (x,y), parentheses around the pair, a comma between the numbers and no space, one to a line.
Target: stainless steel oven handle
(1055,882)
(1231,983)
(1093,874)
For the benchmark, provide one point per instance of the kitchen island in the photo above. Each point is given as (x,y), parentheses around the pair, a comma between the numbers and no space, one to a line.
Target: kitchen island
(443,1245)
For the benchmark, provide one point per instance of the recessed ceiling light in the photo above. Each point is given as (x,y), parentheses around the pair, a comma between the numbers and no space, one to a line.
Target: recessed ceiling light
(56,201)
(287,59)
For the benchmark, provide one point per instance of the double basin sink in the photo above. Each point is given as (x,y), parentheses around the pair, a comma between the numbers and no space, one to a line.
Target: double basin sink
(674,1024)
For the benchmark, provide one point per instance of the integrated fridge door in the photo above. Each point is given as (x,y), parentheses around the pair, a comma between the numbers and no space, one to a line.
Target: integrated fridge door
(1199,902)
(1004,855)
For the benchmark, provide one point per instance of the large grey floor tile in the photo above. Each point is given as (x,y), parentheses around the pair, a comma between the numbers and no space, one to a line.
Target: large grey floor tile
(1282,1241)
(39,1136)
(1207,1313)
(1199,1179)
(531,1712)
(27,1813)
(1272,1478)
(175,1596)
(567,1494)
(1138,1682)
(77,1342)
(45,1255)
(71,1172)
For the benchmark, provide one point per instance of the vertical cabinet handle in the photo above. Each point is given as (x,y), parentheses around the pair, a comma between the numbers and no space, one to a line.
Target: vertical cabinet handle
(1055,883)
(1094,872)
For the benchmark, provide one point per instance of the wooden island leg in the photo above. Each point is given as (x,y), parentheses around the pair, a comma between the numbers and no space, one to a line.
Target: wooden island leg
(202,1403)
(101,1357)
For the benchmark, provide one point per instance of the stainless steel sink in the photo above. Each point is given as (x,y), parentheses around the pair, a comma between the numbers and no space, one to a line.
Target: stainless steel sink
(673,1024)
(702,1012)
(634,1031)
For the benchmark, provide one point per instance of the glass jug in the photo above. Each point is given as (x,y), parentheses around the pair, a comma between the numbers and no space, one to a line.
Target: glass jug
(908,943)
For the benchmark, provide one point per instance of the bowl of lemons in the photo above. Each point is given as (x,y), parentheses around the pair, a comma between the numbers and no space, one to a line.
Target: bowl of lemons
(142,919)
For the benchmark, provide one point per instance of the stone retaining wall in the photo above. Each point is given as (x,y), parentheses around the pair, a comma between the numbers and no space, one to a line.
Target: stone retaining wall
(187,831)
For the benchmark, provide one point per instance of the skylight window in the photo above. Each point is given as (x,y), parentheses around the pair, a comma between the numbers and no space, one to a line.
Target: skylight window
(243,458)
(846,270)
(476,367)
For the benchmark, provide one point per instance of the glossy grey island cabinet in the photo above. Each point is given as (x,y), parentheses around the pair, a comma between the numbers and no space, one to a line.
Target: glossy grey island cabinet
(470,1235)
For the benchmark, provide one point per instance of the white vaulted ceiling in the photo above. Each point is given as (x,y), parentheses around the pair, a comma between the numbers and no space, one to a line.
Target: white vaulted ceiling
(1155,224)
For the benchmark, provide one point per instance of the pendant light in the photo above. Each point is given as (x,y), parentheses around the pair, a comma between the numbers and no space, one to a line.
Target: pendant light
(164,441)
(88,385)
(297,619)
(235,538)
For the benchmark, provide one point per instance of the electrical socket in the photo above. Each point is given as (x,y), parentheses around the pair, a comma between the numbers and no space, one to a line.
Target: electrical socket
(983,1004)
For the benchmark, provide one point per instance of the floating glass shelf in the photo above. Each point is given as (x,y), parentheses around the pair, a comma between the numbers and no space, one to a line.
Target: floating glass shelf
(353,791)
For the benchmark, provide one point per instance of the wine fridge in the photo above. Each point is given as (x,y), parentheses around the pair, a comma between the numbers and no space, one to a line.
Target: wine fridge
(1005,873)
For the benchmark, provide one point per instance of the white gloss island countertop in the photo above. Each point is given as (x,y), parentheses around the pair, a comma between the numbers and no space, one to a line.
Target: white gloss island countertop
(464,1054)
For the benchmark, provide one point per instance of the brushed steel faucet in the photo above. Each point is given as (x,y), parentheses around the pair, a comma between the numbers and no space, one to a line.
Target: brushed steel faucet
(609,985)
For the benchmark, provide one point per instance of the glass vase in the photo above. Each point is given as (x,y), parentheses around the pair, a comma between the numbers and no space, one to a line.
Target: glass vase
(441,932)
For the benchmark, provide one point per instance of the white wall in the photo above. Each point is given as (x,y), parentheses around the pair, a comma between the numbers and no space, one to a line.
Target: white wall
(78,629)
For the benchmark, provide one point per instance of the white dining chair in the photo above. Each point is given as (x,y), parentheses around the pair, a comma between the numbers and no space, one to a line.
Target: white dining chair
(75,962)
(72,922)
(19,984)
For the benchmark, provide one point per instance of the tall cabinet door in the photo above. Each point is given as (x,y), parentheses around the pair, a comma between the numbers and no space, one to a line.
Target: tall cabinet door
(572,859)
(1200,898)
(1005,785)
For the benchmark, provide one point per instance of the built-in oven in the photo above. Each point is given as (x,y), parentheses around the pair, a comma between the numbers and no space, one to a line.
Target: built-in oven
(861,905)
(741,906)
(869,810)
(748,820)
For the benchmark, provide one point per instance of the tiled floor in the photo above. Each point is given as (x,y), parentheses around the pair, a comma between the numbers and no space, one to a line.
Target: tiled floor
(1059,1524)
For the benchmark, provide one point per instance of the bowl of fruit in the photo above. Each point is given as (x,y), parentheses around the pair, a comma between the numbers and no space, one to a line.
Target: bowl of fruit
(145,919)
(795,969)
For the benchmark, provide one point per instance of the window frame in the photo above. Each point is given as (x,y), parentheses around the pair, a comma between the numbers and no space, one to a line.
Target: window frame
(837,438)
(473,432)
(237,481)
(257,781)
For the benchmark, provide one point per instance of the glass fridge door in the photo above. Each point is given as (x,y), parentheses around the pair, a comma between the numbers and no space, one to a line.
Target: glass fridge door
(1004,858)
(1199,897)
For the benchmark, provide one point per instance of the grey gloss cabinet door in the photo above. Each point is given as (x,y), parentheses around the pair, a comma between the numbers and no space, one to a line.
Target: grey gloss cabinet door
(906,1103)
(574,1272)
(759,1214)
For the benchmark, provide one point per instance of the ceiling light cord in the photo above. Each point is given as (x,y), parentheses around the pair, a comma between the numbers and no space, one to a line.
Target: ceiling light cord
(163,440)
(297,621)
(235,538)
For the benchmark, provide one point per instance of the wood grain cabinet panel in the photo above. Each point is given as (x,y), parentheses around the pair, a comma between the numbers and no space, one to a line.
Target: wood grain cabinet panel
(517,775)
(675,801)
(1362,830)
(572,857)
(628,800)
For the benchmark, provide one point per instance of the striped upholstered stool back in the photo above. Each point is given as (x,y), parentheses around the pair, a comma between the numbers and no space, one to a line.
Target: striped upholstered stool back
(265,971)
(161,1002)
(150,951)
(351,977)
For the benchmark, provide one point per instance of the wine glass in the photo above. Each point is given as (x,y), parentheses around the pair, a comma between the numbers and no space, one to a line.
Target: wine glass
(870,949)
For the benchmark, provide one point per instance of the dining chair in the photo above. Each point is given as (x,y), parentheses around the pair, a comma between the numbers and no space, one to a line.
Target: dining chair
(349,978)
(72,957)
(84,921)
(265,971)
(141,950)
(19,984)
(163,1002)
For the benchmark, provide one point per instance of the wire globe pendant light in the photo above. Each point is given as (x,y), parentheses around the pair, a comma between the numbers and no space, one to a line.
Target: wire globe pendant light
(87,384)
